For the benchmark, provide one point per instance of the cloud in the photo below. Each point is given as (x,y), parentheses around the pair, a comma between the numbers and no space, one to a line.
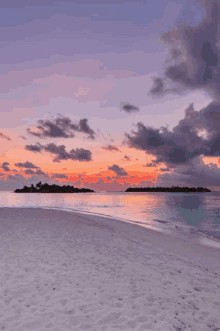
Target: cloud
(81,176)
(114,185)
(101,185)
(60,176)
(11,182)
(41,173)
(29,172)
(5,167)
(194,174)
(149,165)
(3,136)
(83,127)
(22,137)
(127,158)
(27,164)
(164,169)
(129,108)
(160,87)
(194,56)
(110,148)
(197,134)
(79,154)
(157,144)
(61,127)
(118,170)
(34,148)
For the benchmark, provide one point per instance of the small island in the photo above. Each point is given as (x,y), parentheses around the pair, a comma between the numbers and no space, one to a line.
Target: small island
(46,188)
(168,189)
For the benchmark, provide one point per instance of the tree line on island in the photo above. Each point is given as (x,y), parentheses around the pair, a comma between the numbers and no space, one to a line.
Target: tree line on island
(168,189)
(46,188)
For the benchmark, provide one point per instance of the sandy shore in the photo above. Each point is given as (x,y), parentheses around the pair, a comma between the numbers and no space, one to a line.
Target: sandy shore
(66,271)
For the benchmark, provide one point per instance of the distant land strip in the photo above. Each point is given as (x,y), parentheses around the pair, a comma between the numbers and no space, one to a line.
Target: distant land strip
(46,188)
(168,189)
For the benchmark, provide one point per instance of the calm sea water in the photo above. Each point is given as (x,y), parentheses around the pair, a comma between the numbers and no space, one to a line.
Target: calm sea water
(180,212)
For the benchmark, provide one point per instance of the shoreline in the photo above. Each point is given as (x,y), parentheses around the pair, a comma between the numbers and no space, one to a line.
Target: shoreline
(179,231)
(74,271)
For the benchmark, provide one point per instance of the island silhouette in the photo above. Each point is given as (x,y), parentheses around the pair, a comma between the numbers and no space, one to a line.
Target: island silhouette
(168,189)
(46,188)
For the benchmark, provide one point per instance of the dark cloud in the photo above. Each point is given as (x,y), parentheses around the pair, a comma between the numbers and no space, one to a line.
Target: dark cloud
(61,127)
(40,173)
(3,136)
(34,148)
(197,134)
(161,87)
(196,173)
(110,148)
(158,87)
(127,158)
(118,170)
(129,108)
(27,164)
(60,176)
(164,169)
(29,172)
(148,165)
(194,55)
(5,167)
(83,127)
(79,154)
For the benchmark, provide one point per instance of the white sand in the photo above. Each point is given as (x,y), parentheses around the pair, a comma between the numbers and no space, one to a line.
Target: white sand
(62,271)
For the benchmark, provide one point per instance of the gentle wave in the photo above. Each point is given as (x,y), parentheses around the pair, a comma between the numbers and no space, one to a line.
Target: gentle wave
(197,213)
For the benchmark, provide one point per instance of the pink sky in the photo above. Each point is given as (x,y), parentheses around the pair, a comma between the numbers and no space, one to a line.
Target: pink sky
(94,66)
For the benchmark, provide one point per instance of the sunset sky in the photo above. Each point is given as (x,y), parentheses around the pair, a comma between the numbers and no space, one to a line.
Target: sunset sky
(108,94)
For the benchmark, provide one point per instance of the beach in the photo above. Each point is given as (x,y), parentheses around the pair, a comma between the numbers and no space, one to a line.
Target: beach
(69,271)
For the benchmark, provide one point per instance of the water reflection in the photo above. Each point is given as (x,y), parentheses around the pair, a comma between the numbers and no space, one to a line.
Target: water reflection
(191,209)
(161,210)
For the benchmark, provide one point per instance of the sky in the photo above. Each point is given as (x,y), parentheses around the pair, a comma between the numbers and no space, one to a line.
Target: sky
(110,94)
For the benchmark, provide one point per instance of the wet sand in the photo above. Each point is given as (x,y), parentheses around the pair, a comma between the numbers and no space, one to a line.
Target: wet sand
(70,271)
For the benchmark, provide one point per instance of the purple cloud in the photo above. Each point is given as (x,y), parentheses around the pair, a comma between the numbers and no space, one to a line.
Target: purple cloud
(26,164)
(62,127)
(5,167)
(129,108)
(197,134)
(3,136)
(194,56)
(60,176)
(118,170)
(110,148)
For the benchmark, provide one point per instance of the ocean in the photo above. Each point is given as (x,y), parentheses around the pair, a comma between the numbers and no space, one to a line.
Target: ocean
(184,213)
